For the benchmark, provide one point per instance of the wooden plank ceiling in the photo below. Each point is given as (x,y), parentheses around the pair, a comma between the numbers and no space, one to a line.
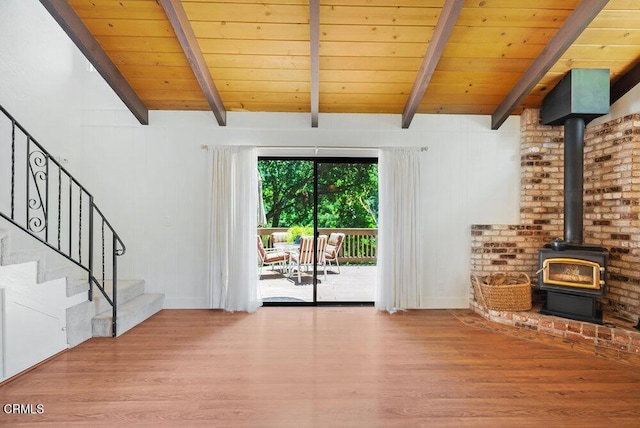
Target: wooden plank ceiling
(258,52)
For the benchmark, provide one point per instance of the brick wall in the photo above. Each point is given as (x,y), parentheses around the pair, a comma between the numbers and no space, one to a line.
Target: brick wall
(612,207)
(496,248)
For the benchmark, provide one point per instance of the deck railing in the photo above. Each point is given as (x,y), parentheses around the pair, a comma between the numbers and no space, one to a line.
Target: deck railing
(359,245)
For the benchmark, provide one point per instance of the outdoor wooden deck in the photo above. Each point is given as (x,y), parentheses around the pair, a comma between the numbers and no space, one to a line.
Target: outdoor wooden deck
(354,283)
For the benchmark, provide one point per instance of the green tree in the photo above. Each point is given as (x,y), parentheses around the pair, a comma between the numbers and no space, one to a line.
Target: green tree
(347,193)
(287,192)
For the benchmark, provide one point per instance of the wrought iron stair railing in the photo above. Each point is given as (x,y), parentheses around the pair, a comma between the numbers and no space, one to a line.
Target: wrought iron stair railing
(48,203)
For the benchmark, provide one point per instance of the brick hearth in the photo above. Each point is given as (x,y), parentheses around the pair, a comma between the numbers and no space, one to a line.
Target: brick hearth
(614,340)
(612,208)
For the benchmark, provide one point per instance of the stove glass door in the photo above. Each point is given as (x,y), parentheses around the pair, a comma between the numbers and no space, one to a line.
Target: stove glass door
(572,273)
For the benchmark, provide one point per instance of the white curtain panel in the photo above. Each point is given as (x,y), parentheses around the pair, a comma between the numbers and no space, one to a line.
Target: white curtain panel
(399,238)
(233,275)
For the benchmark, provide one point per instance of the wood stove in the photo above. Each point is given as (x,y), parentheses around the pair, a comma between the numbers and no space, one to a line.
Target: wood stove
(572,273)
(574,279)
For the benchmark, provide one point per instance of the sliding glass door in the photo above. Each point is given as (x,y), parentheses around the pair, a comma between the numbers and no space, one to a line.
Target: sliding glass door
(288,194)
(334,200)
(348,216)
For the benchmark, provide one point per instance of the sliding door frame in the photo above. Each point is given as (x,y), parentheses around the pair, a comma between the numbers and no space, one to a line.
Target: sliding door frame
(316,160)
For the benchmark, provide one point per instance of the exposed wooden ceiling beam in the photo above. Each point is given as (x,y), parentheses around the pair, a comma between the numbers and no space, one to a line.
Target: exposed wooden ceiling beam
(447,19)
(625,83)
(559,43)
(187,38)
(314,27)
(71,23)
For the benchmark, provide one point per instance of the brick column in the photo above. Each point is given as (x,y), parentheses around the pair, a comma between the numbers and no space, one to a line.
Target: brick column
(612,208)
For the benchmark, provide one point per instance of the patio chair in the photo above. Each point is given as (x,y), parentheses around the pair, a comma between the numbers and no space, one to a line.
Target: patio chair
(334,244)
(277,237)
(304,257)
(322,245)
(271,256)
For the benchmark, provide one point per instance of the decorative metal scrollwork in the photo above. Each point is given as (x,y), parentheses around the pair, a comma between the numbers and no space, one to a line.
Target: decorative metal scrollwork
(37,215)
(35,204)
(36,224)
(37,159)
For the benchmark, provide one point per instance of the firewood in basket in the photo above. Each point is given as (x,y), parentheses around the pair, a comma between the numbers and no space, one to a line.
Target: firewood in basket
(498,279)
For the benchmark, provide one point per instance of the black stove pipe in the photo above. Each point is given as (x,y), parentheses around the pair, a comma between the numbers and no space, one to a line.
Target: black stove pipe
(581,96)
(573,179)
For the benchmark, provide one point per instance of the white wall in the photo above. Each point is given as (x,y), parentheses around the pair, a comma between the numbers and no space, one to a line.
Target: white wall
(151,181)
(628,104)
(37,73)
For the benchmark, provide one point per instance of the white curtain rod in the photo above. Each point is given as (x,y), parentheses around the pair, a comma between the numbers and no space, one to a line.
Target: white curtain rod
(316,148)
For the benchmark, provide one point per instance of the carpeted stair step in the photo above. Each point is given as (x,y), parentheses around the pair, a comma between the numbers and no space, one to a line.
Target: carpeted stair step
(127,290)
(56,273)
(77,286)
(4,241)
(44,274)
(22,256)
(130,314)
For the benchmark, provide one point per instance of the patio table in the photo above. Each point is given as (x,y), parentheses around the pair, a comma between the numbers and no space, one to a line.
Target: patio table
(289,248)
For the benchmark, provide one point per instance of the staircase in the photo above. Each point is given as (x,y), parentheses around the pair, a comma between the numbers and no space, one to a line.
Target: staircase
(50,220)
(134,306)
(87,319)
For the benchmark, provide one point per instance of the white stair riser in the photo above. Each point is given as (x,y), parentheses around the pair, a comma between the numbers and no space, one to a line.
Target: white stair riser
(129,315)
(127,290)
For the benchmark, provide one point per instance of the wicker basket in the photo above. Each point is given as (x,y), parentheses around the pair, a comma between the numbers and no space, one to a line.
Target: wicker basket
(503,292)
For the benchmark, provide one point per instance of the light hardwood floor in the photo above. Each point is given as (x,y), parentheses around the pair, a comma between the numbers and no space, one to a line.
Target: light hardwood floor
(325,367)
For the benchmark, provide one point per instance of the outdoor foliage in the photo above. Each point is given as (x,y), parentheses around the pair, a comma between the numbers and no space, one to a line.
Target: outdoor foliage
(347,193)
(297,231)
